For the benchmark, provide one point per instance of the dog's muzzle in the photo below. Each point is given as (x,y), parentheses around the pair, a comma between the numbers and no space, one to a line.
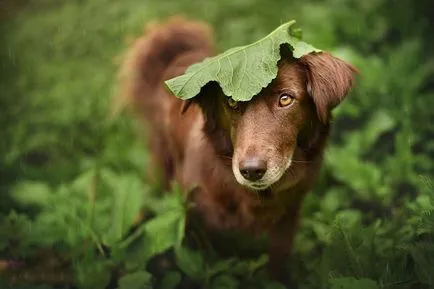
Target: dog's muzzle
(258,174)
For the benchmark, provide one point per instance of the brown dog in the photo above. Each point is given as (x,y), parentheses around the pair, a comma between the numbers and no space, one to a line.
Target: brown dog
(251,162)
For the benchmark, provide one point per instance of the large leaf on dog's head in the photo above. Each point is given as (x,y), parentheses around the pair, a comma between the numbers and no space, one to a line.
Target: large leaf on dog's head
(241,71)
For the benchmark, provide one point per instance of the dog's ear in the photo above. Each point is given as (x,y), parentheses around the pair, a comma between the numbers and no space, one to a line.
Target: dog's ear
(206,99)
(329,79)
(185,105)
(209,101)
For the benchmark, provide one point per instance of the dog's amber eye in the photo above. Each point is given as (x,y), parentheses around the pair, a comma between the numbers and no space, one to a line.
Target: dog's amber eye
(232,103)
(285,100)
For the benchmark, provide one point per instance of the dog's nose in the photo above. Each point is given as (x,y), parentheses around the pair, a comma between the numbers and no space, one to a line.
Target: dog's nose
(253,169)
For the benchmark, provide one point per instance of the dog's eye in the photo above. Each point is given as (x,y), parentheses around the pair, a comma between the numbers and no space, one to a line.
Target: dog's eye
(285,100)
(232,103)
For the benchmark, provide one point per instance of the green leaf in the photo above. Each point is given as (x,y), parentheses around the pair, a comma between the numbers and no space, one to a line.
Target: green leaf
(233,68)
(93,274)
(321,230)
(170,280)
(127,201)
(423,256)
(224,282)
(219,267)
(380,122)
(31,193)
(162,232)
(353,283)
(190,262)
(15,226)
(136,280)
(274,285)
(260,262)
(348,217)
(243,267)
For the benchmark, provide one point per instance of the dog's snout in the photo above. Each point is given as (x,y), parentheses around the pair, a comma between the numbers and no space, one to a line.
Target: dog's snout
(253,169)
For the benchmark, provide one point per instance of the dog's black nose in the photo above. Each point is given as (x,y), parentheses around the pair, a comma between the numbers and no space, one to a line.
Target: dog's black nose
(253,169)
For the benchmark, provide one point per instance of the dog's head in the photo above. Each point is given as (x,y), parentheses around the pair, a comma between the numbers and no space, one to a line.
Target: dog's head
(261,135)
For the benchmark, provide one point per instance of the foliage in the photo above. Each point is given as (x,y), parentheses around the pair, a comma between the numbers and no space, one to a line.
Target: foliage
(73,178)
(242,71)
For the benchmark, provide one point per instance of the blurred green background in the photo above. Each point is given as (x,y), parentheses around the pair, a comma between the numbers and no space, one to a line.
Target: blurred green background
(73,178)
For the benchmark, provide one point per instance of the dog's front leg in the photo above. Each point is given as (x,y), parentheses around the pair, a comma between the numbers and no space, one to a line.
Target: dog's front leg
(280,245)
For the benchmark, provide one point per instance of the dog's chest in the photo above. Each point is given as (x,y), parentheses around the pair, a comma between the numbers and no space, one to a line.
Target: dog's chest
(240,210)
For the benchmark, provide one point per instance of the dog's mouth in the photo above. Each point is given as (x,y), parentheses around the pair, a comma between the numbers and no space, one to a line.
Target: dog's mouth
(257,186)
(263,191)
(261,187)
(254,186)
(265,194)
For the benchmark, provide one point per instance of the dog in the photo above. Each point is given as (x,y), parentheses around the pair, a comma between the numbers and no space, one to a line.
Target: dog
(250,163)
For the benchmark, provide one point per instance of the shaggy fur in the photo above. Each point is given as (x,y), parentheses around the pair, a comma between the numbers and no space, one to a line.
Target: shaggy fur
(206,143)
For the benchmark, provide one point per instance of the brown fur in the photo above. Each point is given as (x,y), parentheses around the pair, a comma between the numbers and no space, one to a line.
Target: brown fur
(196,143)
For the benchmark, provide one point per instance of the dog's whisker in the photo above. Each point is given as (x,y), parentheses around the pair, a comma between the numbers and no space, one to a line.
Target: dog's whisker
(225,157)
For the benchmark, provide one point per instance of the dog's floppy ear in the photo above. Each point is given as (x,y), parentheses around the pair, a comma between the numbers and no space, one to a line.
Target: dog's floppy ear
(208,100)
(185,105)
(329,79)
